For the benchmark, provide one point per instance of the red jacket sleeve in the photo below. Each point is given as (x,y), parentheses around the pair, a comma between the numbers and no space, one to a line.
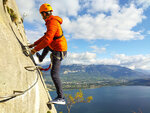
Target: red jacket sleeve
(46,40)
(38,41)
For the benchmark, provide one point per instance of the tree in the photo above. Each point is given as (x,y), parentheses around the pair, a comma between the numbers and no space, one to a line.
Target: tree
(79,98)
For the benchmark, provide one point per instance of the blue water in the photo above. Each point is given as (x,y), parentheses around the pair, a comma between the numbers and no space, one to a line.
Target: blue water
(118,99)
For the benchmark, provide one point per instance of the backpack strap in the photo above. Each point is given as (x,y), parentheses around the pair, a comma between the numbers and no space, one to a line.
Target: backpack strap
(55,38)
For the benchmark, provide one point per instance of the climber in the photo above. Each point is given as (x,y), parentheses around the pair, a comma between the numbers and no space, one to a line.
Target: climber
(53,41)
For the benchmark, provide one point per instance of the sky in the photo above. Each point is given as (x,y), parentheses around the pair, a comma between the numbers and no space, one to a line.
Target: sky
(110,32)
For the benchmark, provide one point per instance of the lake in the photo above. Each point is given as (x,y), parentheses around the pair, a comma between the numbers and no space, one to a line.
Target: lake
(117,99)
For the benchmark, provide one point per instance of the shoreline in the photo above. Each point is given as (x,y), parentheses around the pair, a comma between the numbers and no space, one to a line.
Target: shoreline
(65,89)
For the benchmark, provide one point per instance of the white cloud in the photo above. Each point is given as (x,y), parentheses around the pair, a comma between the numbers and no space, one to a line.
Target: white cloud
(98,50)
(63,7)
(144,3)
(68,7)
(25,5)
(99,19)
(94,6)
(35,34)
(73,58)
(87,58)
(32,36)
(80,58)
(148,32)
(29,8)
(104,6)
(116,26)
(133,62)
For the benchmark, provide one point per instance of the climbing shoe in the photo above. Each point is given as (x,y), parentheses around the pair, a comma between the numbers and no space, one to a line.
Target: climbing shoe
(39,57)
(58,101)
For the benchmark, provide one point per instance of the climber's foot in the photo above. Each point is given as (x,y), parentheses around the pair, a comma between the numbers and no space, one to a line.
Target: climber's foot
(58,101)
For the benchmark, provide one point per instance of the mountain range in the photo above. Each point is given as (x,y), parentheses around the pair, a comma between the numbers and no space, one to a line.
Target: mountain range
(99,72)
(93,76)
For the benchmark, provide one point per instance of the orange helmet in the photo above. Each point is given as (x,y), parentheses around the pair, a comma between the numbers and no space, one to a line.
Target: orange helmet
(45,8)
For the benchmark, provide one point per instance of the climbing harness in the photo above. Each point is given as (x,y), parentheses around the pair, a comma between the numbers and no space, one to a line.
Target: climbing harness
(50,65)
(59,58)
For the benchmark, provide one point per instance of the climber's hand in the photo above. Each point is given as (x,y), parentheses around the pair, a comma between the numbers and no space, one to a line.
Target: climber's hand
(31,45)
(33,51)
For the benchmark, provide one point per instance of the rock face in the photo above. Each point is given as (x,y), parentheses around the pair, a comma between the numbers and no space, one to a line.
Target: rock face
(32,96)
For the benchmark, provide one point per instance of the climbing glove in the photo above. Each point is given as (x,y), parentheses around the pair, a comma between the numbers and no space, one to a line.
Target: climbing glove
(33,51)
(31,45)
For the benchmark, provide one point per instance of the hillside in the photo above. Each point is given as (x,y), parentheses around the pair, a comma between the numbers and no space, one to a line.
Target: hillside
(97,75)
(102,71)
(21,91)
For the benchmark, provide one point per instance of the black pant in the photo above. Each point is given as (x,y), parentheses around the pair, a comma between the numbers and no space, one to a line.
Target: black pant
(55,68)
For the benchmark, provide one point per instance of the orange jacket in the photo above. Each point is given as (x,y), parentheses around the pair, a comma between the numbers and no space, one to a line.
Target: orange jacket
(53,30)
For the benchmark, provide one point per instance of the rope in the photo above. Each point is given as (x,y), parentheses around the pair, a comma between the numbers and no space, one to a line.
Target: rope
(43,82)
(46,69)
(15,94)
(32,68)
(50,65)
(19,93)
(38,68)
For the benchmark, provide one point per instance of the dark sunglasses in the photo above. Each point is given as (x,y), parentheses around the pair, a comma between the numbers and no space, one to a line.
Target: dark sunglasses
(45,13)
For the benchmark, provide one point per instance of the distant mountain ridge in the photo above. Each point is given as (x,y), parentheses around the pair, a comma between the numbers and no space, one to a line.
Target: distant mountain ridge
(102,71)
(94,76)
(143,71)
